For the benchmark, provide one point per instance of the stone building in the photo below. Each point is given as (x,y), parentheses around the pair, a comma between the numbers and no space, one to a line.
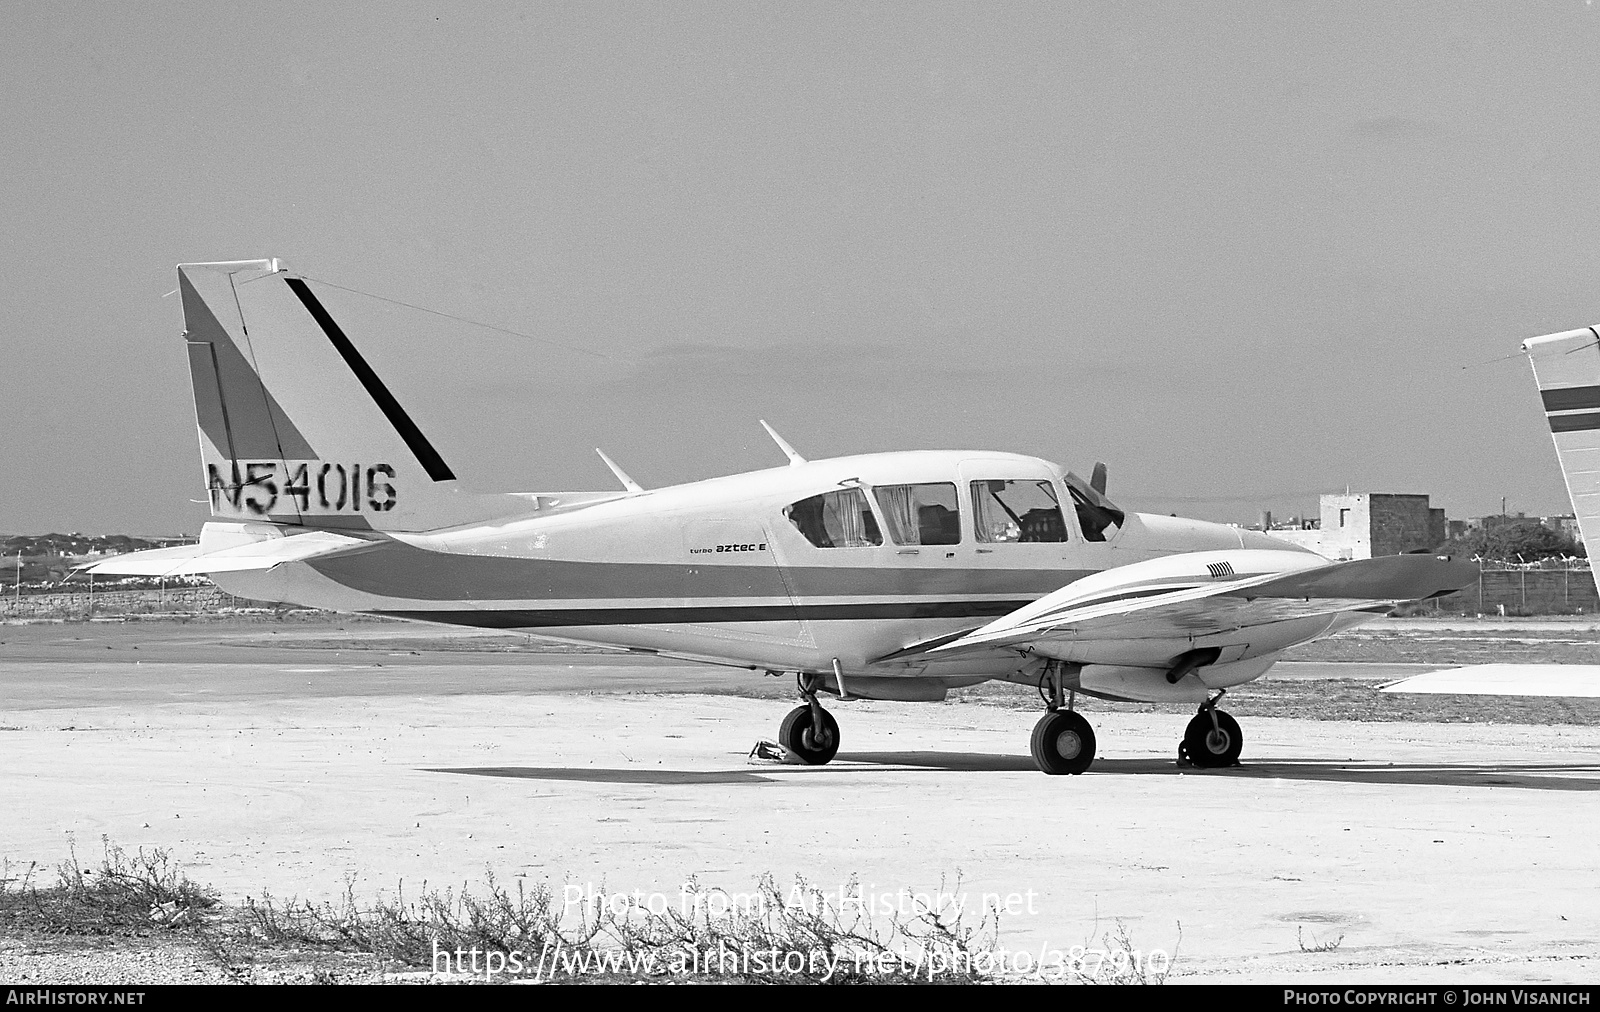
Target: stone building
(1365,525)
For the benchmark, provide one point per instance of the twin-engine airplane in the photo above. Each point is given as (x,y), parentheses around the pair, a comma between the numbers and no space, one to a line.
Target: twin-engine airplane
(882,576)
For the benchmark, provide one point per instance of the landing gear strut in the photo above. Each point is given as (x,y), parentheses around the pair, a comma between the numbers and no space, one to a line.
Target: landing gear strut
(1063,742)
(809,731)
(1212,739)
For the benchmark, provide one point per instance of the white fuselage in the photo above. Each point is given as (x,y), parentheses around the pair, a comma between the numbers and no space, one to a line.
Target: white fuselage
(717,569)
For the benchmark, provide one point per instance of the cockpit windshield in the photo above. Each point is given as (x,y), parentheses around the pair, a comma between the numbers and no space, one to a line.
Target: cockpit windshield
(1017,510)
(1095,511)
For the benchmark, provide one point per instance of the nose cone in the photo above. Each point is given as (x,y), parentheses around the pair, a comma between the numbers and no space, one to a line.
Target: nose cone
(1257,539)
(1156,533)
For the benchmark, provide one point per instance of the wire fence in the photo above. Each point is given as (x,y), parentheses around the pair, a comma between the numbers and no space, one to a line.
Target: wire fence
(1521,590)
(78,602)
(1567,562)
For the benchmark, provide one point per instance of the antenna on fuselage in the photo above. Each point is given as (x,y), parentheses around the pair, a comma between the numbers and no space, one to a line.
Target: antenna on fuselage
(622,476)
(795,460)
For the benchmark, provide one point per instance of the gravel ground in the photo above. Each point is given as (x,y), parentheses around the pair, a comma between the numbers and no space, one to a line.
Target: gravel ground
(116,962)
(166,957)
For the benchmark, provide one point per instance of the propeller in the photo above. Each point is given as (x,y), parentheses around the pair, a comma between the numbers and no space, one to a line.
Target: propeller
(1097,478)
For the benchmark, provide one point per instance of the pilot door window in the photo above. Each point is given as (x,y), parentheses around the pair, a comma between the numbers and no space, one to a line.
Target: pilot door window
(1017,511)
(841,519)
(920,514)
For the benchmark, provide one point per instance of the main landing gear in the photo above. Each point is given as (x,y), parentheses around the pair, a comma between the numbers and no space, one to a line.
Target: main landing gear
(1212,739)
(809,731)
(1063,742)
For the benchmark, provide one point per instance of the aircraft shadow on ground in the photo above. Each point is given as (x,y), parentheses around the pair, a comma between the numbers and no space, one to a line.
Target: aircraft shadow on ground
(1531,776)
(1537,776)
(591,775)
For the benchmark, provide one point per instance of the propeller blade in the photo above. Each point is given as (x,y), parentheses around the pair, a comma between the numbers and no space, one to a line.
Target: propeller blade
(1097,479)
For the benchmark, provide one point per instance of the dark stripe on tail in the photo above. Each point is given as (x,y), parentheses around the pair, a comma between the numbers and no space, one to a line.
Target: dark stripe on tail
(1575,423)
(426,455)
(1571,398)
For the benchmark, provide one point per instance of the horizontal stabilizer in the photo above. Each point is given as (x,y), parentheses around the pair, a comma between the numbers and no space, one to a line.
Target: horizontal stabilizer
(1506,680)
(155,562)
(193,560)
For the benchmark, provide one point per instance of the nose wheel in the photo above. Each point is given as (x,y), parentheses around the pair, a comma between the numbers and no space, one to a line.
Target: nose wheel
(1212,740)
(809,731)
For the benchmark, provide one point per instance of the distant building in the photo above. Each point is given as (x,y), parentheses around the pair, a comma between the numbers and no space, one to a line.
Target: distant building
(1366,525)
(1566,524)
(1310,538)
(1498,520)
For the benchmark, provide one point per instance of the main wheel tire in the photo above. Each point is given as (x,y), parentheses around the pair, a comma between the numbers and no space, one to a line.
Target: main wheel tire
(814,745)
(1063,742)
(1212,747)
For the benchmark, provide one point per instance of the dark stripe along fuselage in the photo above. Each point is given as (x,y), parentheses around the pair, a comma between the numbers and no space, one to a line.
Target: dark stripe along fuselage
(496,591)
(550,618)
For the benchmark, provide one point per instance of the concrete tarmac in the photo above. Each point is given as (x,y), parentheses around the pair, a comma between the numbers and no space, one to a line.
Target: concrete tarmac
(1436,852)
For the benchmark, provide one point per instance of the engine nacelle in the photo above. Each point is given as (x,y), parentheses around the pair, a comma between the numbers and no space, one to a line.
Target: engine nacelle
(1150,685)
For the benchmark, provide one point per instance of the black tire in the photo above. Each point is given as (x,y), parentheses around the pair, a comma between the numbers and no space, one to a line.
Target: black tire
(798,736)
(1212,747)
(1063,742)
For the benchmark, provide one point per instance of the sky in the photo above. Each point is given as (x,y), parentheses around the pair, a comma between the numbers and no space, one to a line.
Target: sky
(1243,253)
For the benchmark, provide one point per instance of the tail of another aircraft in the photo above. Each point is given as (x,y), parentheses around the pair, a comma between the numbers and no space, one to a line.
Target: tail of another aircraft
(295,426)
(1567,369)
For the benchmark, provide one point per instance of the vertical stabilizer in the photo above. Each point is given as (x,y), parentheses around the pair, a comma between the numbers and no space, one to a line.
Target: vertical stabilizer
(1567,369)
(295,425)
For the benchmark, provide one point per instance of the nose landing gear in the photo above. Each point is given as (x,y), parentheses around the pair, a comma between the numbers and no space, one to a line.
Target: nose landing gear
(1213,739)
(1063,742)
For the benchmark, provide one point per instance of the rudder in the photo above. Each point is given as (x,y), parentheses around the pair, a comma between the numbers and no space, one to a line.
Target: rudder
(295,426)
(1566,367)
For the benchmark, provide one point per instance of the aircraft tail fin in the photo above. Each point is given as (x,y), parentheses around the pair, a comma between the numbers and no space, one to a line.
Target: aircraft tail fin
(295,425)
(1567,368)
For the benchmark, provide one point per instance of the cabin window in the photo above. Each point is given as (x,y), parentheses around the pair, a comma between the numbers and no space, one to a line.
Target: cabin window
(1026,510)
(920,514)
(841,519)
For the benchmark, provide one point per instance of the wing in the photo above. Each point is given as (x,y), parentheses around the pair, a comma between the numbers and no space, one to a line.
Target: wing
(191,560)
(1571,680)
(1186,598)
